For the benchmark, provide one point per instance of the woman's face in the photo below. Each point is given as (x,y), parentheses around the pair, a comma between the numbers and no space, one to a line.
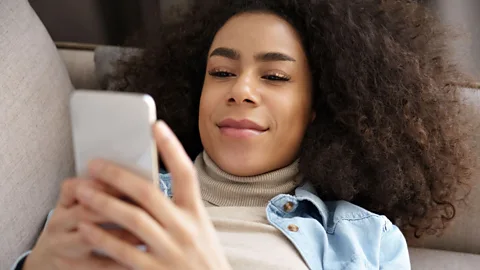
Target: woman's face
(256,98)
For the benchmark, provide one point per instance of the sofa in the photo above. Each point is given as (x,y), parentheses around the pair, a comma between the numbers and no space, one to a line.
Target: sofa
(36,80)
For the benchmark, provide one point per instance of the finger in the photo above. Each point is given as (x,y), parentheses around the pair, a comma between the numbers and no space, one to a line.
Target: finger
(67,193)
(118,250)
(100,263)
(126,236)
(132,218)
(122,234)
(68,219)
(186,190)
(143,192)
(91,263)
(72,245)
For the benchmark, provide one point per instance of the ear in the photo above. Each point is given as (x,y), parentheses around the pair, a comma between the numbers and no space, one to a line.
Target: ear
(314,115)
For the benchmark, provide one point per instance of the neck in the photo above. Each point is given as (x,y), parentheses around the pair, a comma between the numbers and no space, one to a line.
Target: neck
(223,189)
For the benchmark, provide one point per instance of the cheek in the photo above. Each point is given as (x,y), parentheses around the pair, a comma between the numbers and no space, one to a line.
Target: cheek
(204,108)
(204,112)
(292,113)
(208,103)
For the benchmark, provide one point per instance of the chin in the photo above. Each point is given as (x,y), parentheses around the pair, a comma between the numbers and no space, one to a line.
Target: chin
(240,164)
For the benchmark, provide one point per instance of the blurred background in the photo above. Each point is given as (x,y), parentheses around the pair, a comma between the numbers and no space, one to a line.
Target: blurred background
(106,22)
(110,22)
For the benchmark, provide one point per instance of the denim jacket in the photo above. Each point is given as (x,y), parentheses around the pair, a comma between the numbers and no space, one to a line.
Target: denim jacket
(334,235)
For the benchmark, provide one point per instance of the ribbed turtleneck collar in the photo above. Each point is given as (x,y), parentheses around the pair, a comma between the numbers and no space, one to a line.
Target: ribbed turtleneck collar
(222,189)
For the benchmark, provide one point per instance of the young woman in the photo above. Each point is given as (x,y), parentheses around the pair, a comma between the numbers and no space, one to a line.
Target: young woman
(319,132)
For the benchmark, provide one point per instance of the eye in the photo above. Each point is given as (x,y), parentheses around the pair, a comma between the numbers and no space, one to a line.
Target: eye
(277,77)
(221,74)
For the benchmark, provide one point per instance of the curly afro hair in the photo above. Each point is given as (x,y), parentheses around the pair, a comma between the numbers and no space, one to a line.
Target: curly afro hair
(387,135)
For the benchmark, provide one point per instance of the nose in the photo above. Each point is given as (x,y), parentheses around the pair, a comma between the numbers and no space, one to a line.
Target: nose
(244,91)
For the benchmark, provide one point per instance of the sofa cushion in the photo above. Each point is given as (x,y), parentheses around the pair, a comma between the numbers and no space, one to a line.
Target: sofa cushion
(81,68)
(442,260)
(35,144)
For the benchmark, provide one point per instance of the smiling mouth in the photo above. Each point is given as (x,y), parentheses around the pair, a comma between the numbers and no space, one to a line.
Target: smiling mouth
(239,132)
(240,128)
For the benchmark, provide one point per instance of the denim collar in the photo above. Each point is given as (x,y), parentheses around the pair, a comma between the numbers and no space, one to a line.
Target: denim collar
(306,191)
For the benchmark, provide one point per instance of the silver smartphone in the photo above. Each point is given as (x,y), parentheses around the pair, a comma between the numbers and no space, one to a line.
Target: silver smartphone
(114,126)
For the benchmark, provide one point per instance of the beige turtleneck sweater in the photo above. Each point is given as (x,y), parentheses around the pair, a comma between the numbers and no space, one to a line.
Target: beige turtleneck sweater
(237,208)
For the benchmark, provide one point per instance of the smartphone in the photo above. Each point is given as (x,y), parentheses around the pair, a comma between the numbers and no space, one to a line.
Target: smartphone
(115,126)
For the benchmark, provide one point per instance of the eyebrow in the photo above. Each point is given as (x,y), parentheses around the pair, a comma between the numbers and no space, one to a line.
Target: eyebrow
(226,52)
(264,57)
(273,56)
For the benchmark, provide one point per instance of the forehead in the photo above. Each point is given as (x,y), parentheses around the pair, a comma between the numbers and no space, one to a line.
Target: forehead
(255,32)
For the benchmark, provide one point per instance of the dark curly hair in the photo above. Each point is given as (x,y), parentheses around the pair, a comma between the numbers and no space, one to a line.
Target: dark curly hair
(387,135)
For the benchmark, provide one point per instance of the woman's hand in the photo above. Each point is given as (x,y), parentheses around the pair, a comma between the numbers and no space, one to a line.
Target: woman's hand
(178,233)
(61,246)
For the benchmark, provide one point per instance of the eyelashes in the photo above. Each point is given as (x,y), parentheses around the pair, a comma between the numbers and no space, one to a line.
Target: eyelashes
(274,77)
(221,74)
(277,77)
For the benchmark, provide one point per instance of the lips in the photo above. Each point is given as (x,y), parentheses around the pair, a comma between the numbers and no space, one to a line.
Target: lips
(241,124)
(243,128)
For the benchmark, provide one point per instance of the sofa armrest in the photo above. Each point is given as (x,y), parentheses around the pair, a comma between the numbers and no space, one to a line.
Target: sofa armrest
(81,68)
(442,260)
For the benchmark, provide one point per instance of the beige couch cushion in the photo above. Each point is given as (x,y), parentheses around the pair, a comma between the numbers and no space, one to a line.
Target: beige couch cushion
(429,259)
(35,147)
(81,68)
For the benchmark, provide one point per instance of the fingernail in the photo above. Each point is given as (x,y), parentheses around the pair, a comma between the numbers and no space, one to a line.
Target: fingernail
(161,125)
(162,128)
(85,193)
